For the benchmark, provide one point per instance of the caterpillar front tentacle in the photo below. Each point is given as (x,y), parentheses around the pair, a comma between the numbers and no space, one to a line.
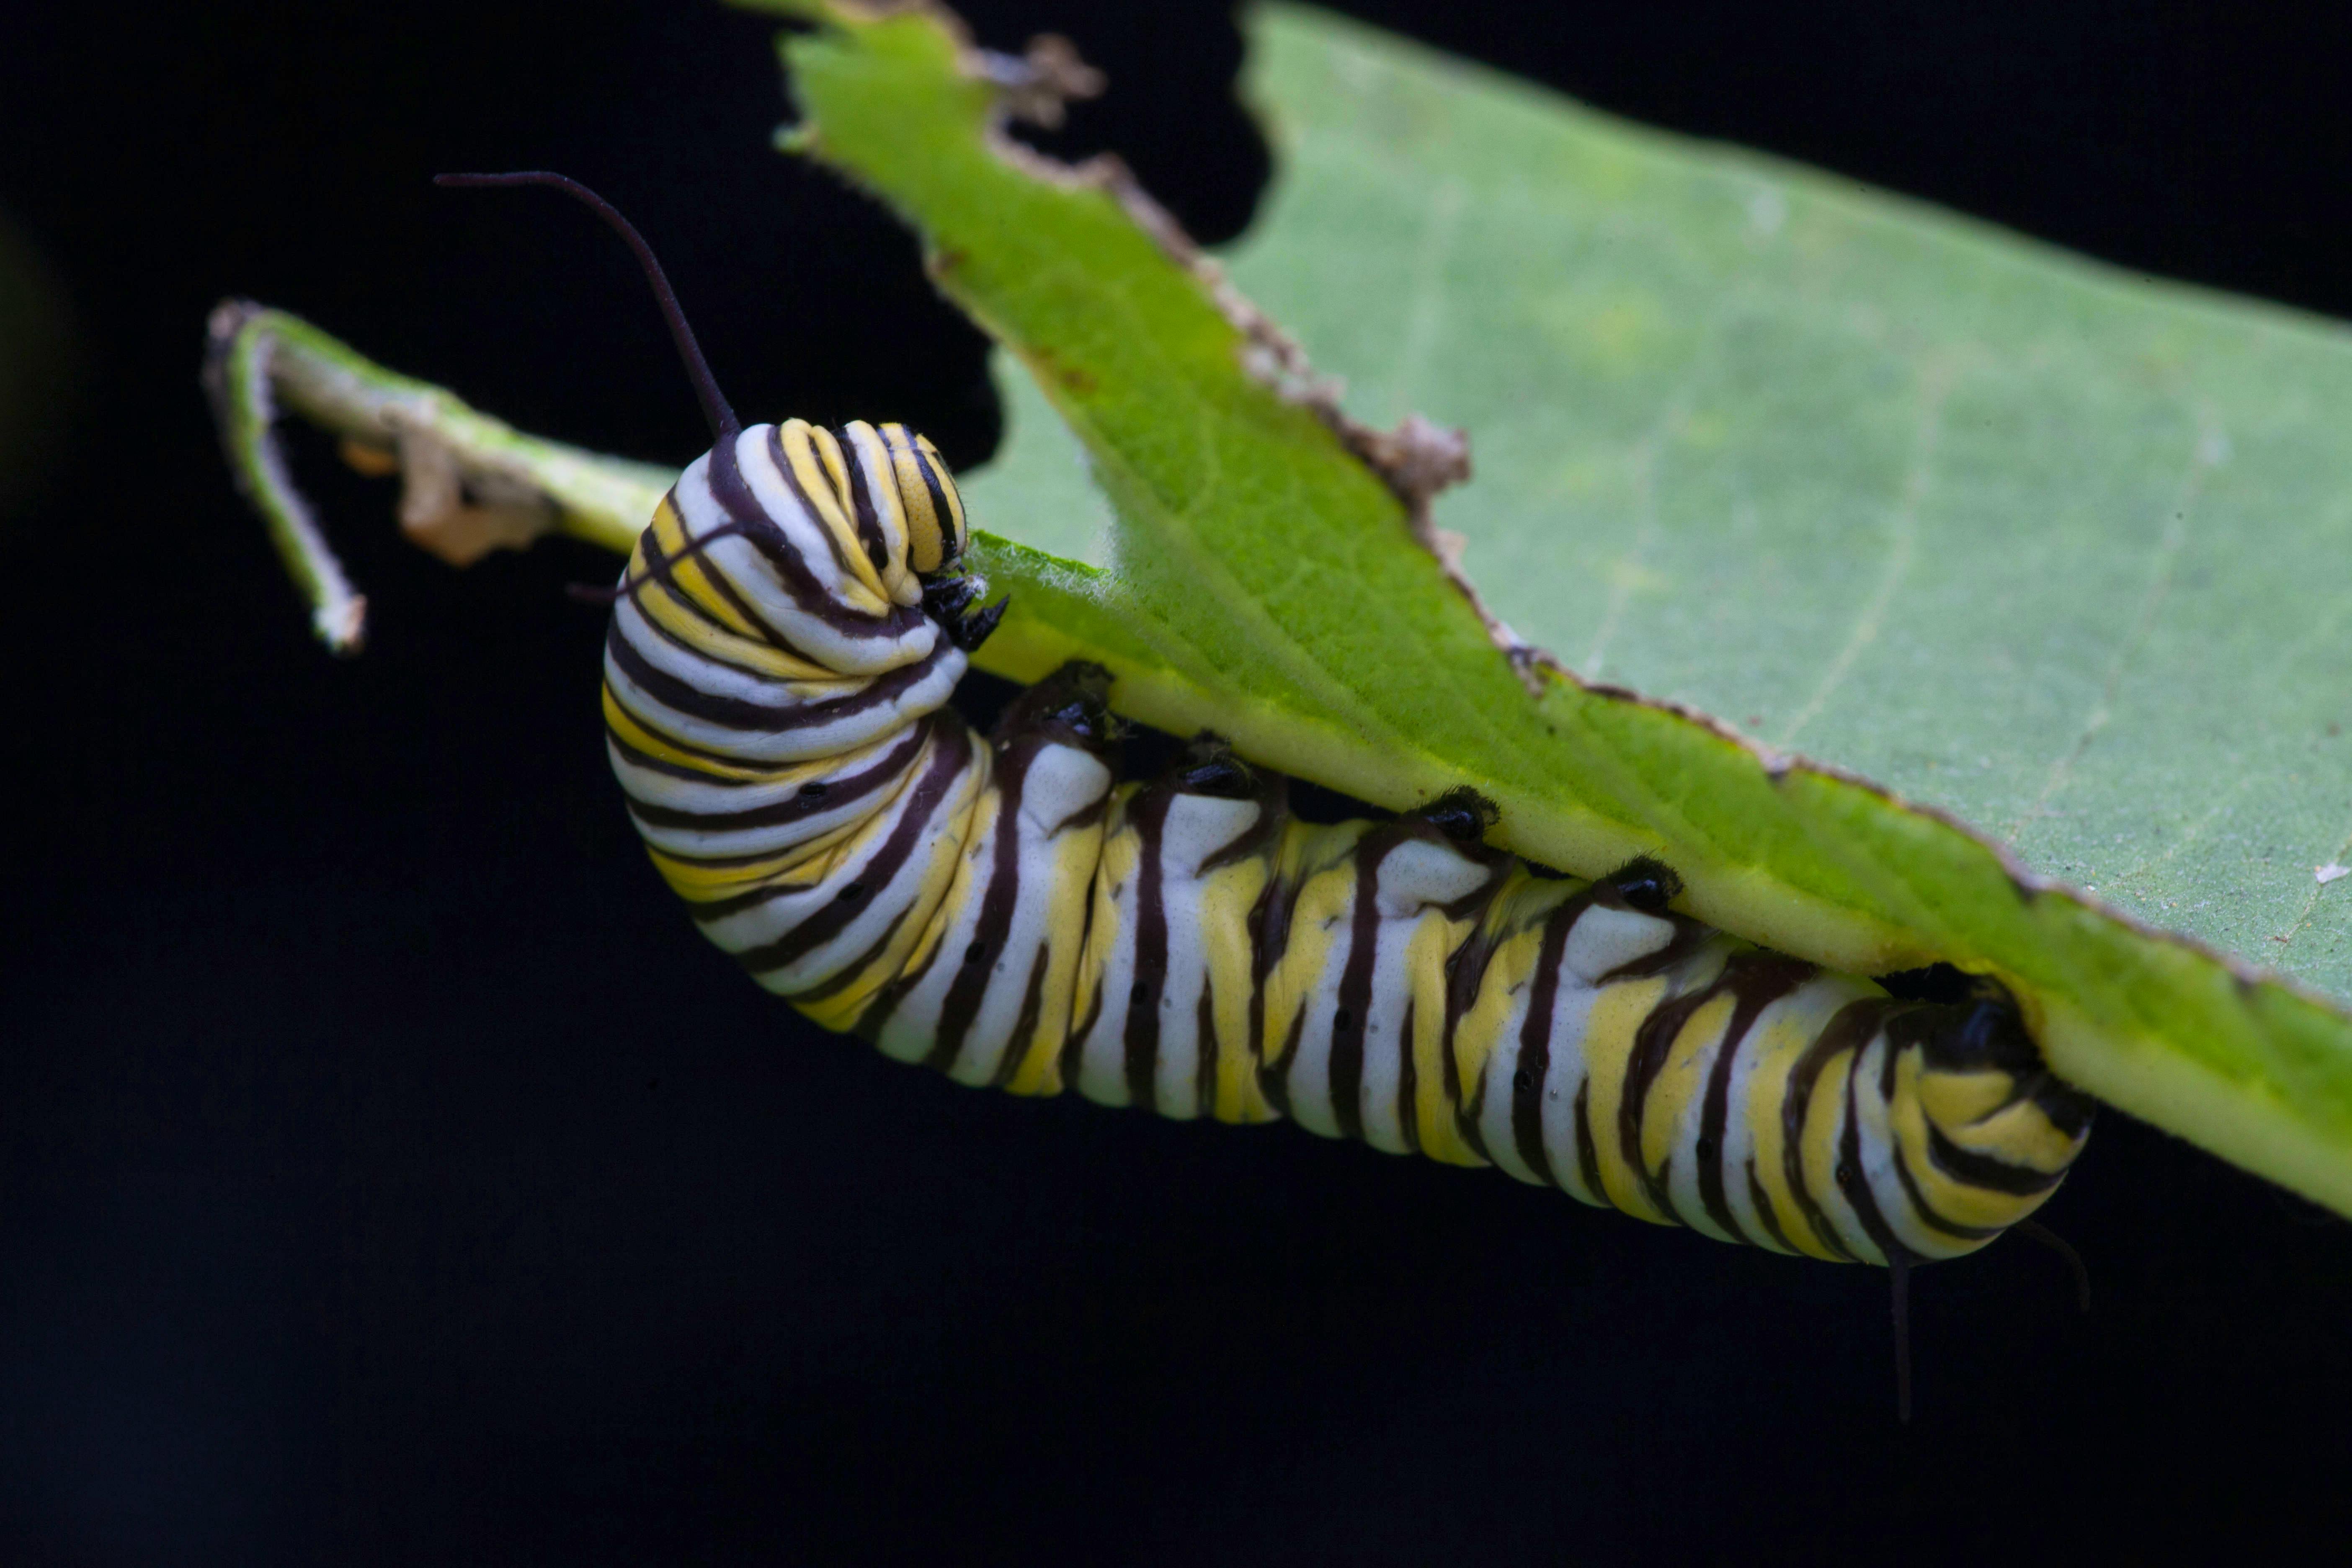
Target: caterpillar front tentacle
(1010,914)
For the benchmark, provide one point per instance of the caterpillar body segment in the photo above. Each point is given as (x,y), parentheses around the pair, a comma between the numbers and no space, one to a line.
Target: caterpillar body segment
(1007,912)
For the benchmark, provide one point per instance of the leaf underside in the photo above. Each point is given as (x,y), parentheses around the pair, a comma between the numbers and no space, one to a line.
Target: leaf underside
(2041,546)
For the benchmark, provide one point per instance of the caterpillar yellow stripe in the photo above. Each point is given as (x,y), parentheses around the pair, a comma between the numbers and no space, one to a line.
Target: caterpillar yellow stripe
(1007,912)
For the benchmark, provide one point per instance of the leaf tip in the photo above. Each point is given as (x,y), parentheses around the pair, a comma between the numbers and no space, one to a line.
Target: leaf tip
(341,625)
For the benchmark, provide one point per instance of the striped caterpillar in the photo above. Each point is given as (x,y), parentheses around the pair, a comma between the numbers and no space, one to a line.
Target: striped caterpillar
(783,647)
(1007,912)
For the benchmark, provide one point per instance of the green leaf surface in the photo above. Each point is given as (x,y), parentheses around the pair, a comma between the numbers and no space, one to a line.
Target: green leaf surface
(2061,551)
(2044,548)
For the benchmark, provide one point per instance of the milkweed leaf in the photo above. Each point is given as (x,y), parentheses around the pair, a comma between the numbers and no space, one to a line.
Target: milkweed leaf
(2045,549)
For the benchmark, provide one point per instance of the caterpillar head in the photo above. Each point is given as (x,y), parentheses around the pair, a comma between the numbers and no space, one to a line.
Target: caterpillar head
(841,550)
(914,500)
(919,517)
(895,506)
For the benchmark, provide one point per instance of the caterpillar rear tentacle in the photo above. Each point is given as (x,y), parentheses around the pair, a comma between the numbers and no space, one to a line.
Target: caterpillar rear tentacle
(1010,914)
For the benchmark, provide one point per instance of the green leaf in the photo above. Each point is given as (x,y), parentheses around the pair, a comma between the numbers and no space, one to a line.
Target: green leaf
(2058,552)
(2044,548)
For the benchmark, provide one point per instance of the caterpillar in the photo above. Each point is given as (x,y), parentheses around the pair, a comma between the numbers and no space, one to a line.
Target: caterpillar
(1007,910)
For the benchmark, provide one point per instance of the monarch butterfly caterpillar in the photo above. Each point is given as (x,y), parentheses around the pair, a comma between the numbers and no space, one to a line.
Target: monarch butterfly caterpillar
(1006,911)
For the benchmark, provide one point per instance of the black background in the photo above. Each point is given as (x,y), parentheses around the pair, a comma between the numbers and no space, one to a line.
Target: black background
(389,1172)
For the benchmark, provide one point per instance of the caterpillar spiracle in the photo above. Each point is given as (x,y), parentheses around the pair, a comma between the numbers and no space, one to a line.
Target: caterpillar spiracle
(1007,910)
